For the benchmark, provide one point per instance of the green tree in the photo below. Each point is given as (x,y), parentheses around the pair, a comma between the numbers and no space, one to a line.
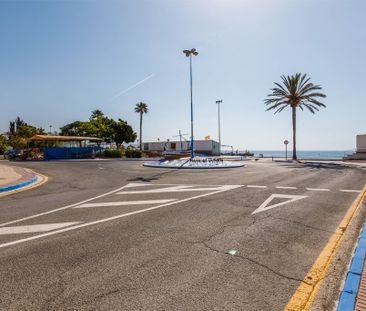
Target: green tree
(295,92)
(20,132)
(101,126)
(141,108)
(77,128)
(3,144)
(96,114)
(122,132)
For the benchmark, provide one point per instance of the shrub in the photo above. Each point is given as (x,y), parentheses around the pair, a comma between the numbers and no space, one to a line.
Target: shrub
(133,153)
(112,153)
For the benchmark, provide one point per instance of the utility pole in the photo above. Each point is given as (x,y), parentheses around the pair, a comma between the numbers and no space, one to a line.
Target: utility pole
(189,54)
(219,102)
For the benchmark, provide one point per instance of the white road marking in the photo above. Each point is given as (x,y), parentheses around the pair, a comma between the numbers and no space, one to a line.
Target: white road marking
(255,186)
(264,206)
(35,228)
(225,188)
(61,208)
(124,203)
(283,187)
(135,184)
(349,190)
(181,188)
(317,189)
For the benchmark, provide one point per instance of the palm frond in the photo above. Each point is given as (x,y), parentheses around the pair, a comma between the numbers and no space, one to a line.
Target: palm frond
(295,91)
(280,109)
(276,105)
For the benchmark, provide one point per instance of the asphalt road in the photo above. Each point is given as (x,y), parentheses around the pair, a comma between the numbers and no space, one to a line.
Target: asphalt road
(112,235)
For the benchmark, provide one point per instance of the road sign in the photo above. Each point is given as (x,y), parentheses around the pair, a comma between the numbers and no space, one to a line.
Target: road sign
(286,143)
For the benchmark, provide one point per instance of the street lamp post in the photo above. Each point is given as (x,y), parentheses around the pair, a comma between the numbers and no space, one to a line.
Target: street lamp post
(189,54)
(218,102)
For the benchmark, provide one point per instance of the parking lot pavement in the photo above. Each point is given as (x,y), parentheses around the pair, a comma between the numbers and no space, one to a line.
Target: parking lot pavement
(170,240)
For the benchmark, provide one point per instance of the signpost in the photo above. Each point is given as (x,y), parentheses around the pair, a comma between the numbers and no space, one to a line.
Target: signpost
(286,143)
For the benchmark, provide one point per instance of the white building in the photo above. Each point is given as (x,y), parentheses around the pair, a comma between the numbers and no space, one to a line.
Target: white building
(206,147)
(360,153)
(361,143)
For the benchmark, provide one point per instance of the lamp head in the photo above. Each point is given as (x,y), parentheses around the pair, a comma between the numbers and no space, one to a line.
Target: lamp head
(189,52)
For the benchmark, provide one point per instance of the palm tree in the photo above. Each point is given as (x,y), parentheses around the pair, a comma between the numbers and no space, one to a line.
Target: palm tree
(296,92)
(141,108)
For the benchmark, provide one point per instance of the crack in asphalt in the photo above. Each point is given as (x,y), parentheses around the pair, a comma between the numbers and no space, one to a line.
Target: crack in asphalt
(254,262)
(206,241)
(113,291)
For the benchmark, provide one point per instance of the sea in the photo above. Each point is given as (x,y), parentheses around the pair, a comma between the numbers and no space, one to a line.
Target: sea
(302,154)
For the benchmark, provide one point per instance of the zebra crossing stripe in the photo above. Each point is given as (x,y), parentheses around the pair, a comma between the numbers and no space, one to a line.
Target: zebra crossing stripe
(36,228)
(180,188)
(124,203)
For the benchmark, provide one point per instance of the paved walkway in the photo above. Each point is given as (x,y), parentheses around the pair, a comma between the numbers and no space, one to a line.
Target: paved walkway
(12,177)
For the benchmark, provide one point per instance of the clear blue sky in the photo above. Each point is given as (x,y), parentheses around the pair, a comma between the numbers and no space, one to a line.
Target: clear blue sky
(60,60)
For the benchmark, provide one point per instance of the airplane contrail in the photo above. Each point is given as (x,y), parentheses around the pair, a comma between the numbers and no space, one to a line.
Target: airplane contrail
(133,86)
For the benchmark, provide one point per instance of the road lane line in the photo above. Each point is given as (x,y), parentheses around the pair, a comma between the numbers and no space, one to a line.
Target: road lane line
(181,188)
(308,288)
(255,186)
(283,187)
(61,208)
(35,237)
(124,203)
(317,189)
(349,190)
(36,228)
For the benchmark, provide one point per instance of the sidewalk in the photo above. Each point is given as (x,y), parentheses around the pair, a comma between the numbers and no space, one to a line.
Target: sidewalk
(13,178)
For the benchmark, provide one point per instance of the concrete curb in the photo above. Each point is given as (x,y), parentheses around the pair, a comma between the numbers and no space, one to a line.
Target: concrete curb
(347,298)
(35,181)
(306,292)
(19,185)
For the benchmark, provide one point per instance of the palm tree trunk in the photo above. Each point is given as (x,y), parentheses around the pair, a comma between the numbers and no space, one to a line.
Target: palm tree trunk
(141,131)
(294,155)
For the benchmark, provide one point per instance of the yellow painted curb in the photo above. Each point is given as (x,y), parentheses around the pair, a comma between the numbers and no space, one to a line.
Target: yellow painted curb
(307,290)
(43,179)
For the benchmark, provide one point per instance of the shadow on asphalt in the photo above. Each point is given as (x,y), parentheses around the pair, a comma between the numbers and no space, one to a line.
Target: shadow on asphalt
(153,177)
(318,166)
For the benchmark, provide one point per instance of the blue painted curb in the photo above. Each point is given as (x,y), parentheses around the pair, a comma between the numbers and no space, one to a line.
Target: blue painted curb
(347,298)
(20,185)
(346,302)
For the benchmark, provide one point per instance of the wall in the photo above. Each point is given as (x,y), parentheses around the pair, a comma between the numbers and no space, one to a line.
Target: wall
(203,146)
(361,143)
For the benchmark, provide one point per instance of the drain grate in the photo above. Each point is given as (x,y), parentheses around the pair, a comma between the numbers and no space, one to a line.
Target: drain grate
(361,295)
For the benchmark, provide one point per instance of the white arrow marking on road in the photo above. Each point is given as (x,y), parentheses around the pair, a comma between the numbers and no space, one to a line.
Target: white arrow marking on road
(265,206)
(123,203)
(36,228)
